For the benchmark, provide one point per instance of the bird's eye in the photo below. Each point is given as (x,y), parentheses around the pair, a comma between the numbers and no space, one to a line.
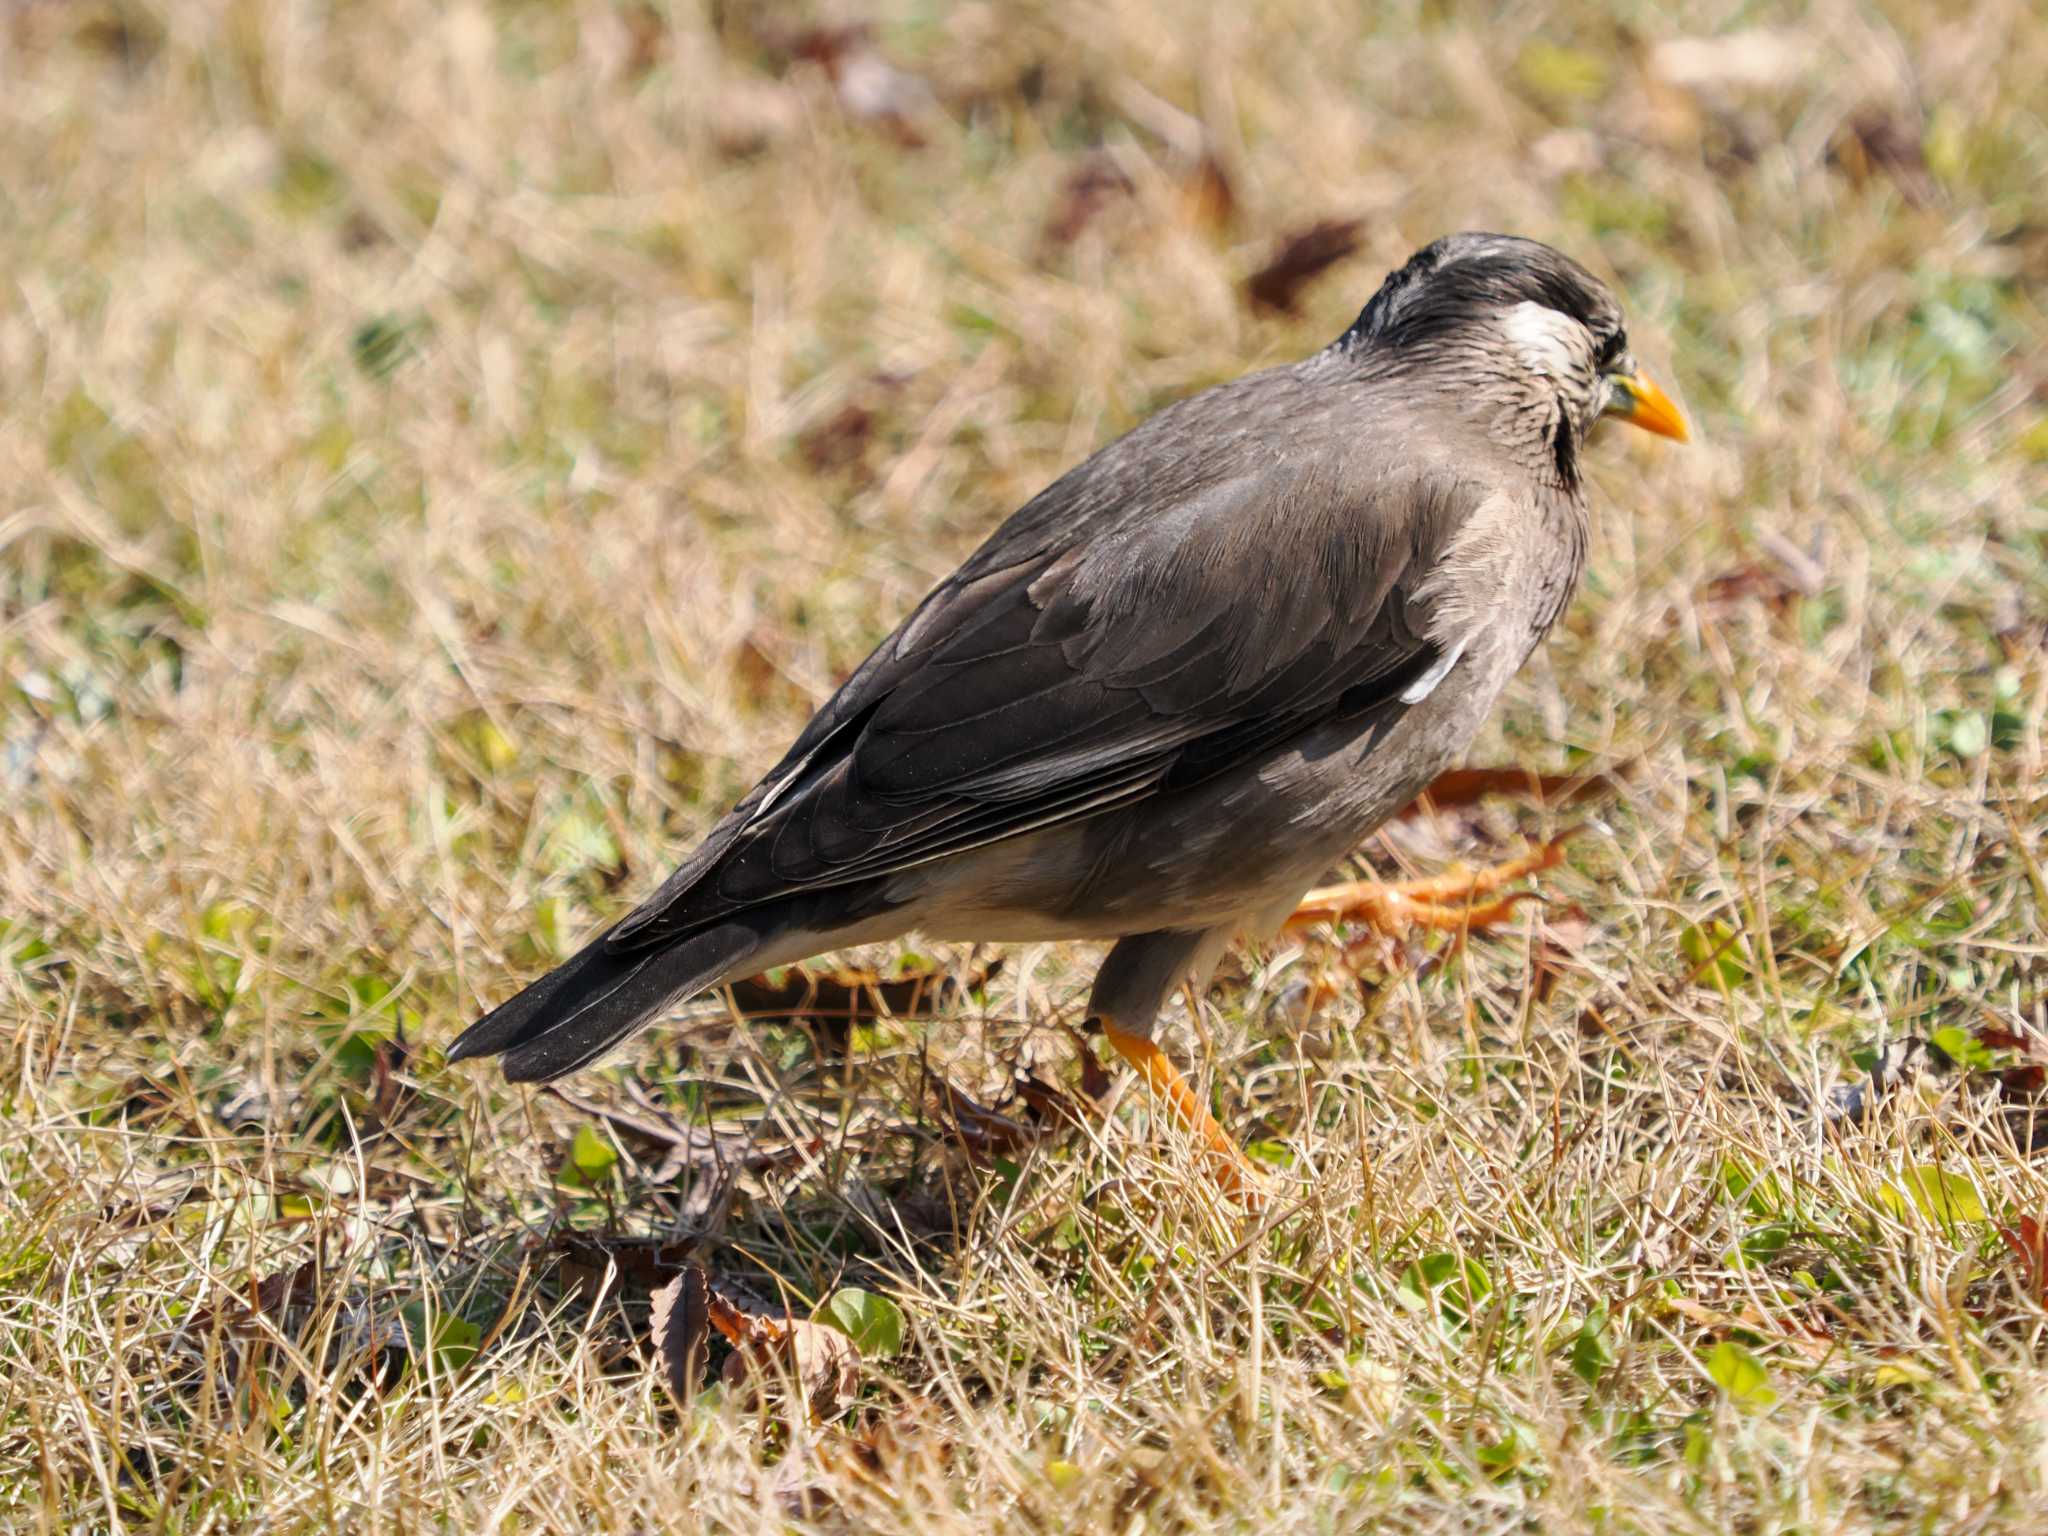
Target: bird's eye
(1611,349)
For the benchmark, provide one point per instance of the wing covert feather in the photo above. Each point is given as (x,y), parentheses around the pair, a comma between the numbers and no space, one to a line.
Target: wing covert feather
(1069,668)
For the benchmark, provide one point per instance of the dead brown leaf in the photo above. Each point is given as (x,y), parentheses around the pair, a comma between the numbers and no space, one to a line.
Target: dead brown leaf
(1089,188)
(833,999)
(770,1353)
(759,676)
(1888,143)
(870,89)
(909,1448)
(840,440)
(2028,1240)
(1302,257)
(1050,1104)
(984,1132)
(1207,200)
(681,1327)
(1559,940)
(593,1264)
(284,1297)
(1811,1339)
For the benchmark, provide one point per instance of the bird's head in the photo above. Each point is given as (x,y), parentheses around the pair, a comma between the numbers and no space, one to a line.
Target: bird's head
(1520,326)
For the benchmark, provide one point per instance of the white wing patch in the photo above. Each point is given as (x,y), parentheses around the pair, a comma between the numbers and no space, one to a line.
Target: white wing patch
(1440,669)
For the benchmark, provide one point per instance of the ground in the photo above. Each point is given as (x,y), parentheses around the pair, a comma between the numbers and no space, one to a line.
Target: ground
(446,452)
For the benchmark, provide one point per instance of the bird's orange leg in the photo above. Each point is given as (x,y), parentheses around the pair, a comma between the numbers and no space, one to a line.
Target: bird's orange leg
(1448,901)
(1233,1171)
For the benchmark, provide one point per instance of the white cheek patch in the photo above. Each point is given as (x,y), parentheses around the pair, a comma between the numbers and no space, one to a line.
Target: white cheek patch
(1542,339)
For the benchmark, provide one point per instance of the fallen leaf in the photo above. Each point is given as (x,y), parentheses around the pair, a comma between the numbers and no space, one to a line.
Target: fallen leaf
(1095,1079)
(833,1000)
(284,1297)
(1302,257)
(1051,1105)
(594,1264)
(680,1327)
(1560,938)
(1089,188)
(1742,583)
(1207,201)
(761,679)
(906,1448)
(822,1363)
(1741,1375)
(1878,141)
(985,1132)
(1941,1196)
(2024,1081)
(840,440)
(288,1303)
(2028,1240)
(869,88)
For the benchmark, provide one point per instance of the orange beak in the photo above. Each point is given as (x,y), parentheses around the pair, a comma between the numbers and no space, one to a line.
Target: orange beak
(1635,399)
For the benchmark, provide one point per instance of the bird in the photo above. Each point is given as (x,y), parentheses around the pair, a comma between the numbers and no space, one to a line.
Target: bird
(1178,685)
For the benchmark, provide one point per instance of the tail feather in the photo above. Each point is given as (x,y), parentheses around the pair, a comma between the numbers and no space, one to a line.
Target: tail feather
(593,1000)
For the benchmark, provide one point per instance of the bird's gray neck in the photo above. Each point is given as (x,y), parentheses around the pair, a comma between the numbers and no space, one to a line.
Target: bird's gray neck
(1461,376)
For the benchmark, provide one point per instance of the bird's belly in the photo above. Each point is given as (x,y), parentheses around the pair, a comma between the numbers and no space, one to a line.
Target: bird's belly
(1217,855)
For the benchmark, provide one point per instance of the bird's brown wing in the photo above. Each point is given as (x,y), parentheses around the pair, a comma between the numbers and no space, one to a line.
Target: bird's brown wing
(1074,666)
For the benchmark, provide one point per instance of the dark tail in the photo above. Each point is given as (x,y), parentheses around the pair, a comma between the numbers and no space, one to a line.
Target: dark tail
(597,997)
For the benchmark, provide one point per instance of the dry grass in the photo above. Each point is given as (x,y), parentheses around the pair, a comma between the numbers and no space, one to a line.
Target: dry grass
(446,452)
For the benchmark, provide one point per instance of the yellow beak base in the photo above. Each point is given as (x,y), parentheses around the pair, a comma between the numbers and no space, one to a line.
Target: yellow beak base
(1638,401)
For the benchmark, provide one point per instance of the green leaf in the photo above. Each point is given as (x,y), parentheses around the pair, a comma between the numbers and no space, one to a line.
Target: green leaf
(1964,1049)
(455,1342)
(381,344)
(1741,1375)
(591,1157)
(874,1323)
(1514,1451)
(1562,74)
(1941,1196)
(448,1340)
(1274,1154)
(1713,949)
(1592,1350)
(1445,1284)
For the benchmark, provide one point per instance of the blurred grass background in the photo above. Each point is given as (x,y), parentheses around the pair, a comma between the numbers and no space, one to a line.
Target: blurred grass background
(447,451)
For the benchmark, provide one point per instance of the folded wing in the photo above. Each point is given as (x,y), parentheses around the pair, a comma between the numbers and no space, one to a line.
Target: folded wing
(1079,663)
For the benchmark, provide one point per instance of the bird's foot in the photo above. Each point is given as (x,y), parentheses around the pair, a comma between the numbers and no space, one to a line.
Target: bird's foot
(1227,1164)
(1459,900)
